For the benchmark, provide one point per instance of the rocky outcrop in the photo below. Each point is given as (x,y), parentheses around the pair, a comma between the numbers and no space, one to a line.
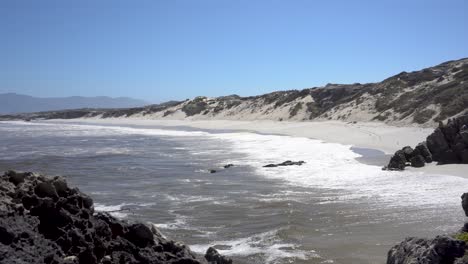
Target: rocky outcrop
(43,220)
(448,144)
(440,250)
(285,163)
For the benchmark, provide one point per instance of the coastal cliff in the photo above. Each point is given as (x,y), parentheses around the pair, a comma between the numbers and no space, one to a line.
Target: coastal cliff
(422,97)
(42,220)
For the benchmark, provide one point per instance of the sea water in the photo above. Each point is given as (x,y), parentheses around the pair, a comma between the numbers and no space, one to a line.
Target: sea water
(332,209)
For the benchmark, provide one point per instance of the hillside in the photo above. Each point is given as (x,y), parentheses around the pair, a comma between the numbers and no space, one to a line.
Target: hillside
(18,103)
(423,97)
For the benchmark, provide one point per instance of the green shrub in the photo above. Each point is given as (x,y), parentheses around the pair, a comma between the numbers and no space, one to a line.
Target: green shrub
(293,111)
(195,107)
(463,236)
(423,116)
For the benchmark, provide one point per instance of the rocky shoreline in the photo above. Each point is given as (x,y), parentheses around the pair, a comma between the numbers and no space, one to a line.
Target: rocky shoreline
(43,220)
(448,144)
(444,249)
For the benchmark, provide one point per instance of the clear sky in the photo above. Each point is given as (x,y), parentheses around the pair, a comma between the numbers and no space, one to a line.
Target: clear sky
(177,49)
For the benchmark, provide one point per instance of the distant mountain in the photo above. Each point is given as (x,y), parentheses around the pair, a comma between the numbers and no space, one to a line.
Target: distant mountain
(17,103)
(422,97)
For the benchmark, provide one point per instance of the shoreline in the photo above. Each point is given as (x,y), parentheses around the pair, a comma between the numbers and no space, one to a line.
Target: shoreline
(376,142)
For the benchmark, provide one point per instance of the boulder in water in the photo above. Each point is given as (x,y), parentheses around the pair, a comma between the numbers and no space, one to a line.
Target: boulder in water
(213,257)
(285,163)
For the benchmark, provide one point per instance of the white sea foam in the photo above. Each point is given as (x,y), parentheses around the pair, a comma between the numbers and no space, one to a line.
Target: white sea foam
(334,166)
(179,223)
(328,165)
(267,244)
(114,210)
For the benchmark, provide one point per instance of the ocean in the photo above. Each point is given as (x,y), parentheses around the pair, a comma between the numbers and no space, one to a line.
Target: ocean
(332,209)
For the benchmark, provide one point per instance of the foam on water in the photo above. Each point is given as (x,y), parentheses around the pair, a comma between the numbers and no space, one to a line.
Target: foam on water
(331,168)
(334,166)
(114,210)
(267,244)
(328,165)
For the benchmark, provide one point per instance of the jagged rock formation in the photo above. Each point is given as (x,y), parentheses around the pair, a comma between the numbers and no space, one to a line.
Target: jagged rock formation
(423,97)
(42,220)
(448,144)
(440,250)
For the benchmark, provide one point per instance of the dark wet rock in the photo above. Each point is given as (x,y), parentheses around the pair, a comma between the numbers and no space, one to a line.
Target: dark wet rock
(422,150)
(397,161)
(212,171)
(440,250)
(42,220)
(227,166)
(436,143)
(446,145)
(447,157)
(464,203)
(45,189)
(140,235)
(16,177)
(213,257)
(464,135)
(408,152)
(285,163)
(417,161)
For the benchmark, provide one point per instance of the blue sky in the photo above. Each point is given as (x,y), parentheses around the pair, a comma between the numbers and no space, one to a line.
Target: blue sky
(174,49)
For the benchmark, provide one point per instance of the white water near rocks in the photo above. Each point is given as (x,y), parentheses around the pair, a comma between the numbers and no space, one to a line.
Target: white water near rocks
(331,209)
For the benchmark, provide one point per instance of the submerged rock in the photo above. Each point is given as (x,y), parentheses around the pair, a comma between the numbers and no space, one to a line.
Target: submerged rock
(285,163)
(227,166)
(42,220)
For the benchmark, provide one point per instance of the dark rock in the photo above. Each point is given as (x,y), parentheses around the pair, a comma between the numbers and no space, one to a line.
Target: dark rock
(440,250)
(417,161)
(464,156)
(464,135)
(397,161)
(436,143)
(60,186)
(228,166)
(140,235)
(213,257)
(45,189)
(422,150)
(408,151)
(212,171)
(446,145)
(16,177)
(48,222)
(464,203)
(285,163)
(447,157)
(465,226)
